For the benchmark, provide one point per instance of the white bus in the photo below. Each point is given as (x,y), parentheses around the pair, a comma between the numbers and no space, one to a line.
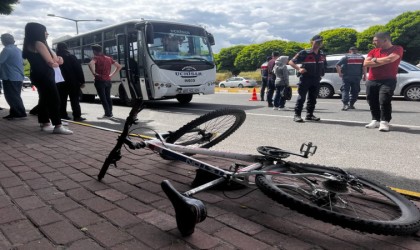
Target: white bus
(161,60)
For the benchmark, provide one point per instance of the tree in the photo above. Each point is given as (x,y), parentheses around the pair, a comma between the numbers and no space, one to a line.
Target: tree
(364,38)
(6,6)
(338,40)
(252,56)
(226,58)
(405,31)
(245,61)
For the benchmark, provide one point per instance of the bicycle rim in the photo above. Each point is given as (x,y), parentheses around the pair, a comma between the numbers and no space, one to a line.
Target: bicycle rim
(209,129)
(365,206)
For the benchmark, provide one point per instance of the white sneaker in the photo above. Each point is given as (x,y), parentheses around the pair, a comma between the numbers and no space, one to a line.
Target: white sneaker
(384,126)
(281,109)
(372,124)
(275,108)
(62,130)
(48,128)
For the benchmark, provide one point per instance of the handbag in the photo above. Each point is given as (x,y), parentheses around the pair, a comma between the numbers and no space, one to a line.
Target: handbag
(287,93)
(58,76)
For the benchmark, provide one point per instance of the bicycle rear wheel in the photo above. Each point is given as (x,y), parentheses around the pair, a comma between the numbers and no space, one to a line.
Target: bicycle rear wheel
(333,196)
(209,129)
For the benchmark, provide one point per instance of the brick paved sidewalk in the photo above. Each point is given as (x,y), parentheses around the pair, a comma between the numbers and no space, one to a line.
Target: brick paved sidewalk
(50,199)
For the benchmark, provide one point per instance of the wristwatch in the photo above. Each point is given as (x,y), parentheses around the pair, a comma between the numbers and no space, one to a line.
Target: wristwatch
(374,59)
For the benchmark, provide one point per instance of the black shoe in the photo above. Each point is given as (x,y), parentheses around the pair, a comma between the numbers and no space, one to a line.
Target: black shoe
(345,108)
(79,119)
(270,105)
(351,107)
(312,118)
(297,118)
(66,118)
(9,117)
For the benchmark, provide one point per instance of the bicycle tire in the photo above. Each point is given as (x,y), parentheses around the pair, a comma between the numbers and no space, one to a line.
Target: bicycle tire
(365,212)
(216,125)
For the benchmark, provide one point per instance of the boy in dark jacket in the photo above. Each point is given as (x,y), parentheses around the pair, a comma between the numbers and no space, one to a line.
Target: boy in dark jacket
(73,81)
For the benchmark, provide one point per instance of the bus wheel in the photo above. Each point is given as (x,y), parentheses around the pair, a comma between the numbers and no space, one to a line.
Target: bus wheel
(87,98)
(184,99)
(123,96)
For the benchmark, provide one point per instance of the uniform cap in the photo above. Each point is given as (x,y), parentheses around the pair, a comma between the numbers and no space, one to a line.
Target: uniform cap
(353,48)
(317,38)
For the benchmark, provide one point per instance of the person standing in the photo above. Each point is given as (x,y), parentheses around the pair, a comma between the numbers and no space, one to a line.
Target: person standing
(264,78)
(350,69)
(100,66)
(383,62)
(73,80)
(281,82)
(271,78)
(43,62)
(313,64)
(11,72)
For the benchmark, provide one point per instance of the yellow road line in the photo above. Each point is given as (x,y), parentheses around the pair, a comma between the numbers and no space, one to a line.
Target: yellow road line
(406,192)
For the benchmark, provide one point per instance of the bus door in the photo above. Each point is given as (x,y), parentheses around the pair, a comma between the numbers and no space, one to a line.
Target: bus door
(127,90)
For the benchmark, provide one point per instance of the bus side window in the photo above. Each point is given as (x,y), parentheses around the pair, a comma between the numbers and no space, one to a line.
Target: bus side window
(87,54)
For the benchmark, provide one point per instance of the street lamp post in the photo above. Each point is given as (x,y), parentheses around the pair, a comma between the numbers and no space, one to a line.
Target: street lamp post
(76,20)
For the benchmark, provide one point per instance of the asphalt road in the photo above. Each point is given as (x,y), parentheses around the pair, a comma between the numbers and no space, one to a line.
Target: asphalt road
(343,141)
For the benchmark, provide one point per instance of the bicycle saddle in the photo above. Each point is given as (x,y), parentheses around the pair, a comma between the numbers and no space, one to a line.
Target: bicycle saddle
(188,211)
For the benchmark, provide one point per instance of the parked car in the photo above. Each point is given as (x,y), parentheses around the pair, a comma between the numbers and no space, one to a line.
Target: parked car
(27,82)
(239,82)
(408,80)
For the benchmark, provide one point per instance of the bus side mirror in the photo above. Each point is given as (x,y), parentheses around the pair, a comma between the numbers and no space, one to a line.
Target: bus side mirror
(210,37)
(149,34)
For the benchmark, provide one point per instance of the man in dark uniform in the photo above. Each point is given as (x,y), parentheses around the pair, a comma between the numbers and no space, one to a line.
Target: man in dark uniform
(350,69)
(264,78)
(313,63)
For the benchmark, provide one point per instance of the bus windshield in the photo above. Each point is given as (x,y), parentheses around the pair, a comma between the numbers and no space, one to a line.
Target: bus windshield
(176,42)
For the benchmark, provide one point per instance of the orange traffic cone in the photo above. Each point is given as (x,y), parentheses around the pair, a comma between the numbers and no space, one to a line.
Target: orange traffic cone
(33,88)
(254,95)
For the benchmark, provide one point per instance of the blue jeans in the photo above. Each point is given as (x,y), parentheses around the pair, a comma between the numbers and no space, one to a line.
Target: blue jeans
(12,90)
(104,92)
(279,101)
(350,89)
(379,95)
(307,86)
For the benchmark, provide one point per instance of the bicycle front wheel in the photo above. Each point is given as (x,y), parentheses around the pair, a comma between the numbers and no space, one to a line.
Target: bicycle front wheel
(209,129)
(333,196)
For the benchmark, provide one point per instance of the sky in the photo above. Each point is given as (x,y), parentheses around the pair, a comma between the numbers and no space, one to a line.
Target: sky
(232,22)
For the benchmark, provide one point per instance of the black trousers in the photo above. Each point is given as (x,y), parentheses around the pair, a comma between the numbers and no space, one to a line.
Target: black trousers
(379,95)
(71,90)
(307,86)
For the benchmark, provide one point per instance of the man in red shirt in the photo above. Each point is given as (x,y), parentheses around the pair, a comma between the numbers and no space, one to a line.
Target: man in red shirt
(100,66)
(383,64)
